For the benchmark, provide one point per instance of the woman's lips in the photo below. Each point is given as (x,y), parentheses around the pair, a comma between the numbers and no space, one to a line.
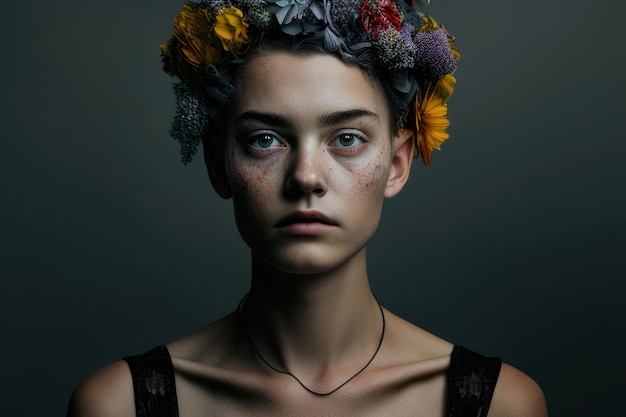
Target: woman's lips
(306,223)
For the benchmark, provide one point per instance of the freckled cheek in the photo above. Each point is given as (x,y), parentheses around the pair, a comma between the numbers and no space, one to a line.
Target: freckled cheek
(371,177)
(256,182)
(242,179)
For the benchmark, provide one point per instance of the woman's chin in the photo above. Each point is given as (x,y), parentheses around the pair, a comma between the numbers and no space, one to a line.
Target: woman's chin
(314,261)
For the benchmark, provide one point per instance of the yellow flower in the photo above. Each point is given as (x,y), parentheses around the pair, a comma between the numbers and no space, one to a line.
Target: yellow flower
(445,87)
(230,28)
(429,25)
(431,122)
(191,47)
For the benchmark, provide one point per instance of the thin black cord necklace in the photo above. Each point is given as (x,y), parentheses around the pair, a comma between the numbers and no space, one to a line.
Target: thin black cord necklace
(321,394)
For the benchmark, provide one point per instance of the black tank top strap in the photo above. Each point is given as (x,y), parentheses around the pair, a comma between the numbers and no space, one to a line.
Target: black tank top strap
(153,382)
(471,381)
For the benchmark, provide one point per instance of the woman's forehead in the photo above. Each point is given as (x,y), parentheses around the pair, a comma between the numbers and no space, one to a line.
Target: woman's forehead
(296,82)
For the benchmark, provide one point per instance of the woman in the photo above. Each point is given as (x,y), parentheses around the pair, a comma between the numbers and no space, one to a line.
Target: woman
(310,114)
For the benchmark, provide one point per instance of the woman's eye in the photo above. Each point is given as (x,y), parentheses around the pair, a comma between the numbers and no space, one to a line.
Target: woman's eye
(347,140)
(264,141)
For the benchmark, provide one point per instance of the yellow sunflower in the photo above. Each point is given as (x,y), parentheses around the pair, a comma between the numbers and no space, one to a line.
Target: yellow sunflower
(431,122)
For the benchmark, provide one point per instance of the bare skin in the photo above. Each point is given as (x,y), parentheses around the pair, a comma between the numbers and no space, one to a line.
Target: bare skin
(308,165)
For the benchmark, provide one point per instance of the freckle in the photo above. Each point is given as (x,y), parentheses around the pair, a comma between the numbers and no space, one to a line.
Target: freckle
(242,180)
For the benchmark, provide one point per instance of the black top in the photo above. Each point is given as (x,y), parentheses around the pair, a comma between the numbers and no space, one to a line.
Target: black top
(471,381)
(153,383)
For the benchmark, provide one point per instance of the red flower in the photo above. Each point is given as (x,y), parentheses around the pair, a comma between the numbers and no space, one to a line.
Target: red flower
(378,16)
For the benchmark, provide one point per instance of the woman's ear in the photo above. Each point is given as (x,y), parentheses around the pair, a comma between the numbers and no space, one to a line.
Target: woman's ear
(215,162)
(403,148)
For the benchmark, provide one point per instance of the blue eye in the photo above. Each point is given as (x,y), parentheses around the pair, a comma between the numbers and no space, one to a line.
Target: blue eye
(347,140)
(264,141)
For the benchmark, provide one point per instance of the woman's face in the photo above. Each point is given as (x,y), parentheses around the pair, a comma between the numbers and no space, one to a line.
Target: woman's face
(308,160)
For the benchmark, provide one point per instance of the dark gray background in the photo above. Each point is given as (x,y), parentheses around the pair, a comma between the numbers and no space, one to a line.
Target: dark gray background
(511,244)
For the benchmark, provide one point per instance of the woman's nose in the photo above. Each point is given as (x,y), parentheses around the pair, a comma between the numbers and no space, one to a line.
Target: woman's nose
(306,173)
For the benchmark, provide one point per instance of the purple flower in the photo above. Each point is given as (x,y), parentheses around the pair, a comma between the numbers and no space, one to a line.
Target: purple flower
(434,56)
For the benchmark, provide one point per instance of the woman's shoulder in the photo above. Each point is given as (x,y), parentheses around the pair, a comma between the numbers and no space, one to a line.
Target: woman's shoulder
(107,392)
(516,394)
(410,343)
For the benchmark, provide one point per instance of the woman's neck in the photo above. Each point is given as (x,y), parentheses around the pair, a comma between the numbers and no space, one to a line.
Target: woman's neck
(319,327)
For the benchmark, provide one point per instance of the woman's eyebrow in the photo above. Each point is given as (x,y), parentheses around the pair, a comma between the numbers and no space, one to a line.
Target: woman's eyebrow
(330,119)
(340,117)
(269,119)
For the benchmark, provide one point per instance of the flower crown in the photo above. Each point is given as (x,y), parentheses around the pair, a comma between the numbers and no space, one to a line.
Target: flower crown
(411,54)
